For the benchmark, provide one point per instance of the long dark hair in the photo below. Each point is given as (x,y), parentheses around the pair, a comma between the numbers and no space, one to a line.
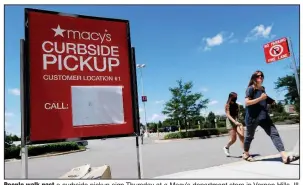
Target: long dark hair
(253,78)
(230,97)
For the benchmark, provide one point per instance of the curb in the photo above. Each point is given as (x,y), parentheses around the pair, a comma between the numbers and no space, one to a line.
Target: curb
(48,155)
(192,138)
(257,159)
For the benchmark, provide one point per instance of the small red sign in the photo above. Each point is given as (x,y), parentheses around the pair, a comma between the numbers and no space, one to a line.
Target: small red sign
(144,98)
(276,50)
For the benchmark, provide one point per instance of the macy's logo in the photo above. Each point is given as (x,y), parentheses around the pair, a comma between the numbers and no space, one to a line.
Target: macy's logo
(82,35)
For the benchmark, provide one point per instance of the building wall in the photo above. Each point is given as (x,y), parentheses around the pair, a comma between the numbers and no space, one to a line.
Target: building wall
(290,109)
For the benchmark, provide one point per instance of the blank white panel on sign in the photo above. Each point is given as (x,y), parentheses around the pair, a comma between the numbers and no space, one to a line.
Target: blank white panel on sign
(93,105)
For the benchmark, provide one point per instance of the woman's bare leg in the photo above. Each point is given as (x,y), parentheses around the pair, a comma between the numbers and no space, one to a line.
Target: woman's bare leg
(240,132)
(232,140)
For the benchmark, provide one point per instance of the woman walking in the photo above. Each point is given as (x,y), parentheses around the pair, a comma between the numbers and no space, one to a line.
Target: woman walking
(256,102)
(235,128)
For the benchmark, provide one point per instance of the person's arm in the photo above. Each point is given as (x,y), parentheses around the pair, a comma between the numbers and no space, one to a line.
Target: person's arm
(229,116)
(249,97)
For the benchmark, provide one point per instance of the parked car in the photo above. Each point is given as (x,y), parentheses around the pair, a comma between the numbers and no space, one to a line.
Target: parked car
(152,130)
(78,141)
(170,129)
(82,143)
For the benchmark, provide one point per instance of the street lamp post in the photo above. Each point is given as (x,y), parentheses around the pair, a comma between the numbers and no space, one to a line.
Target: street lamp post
(141,66)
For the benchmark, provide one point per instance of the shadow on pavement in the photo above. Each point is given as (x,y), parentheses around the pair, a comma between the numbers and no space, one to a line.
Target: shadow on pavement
(275,159)
(255,155)
(238,157)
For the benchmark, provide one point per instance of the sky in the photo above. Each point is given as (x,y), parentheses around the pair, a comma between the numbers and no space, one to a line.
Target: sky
(215,47)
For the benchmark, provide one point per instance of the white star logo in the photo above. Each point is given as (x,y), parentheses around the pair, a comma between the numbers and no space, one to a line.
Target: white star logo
(58,31)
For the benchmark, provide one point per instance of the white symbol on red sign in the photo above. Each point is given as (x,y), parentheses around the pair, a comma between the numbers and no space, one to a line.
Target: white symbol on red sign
(58,31)
(144,98)
(276,50)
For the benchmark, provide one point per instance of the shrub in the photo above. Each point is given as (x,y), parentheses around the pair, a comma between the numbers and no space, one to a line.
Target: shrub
(223,130)
(174,135)
(275,119)
(283,118)
(34,150)
(12,152)
(221,124)
(196,133)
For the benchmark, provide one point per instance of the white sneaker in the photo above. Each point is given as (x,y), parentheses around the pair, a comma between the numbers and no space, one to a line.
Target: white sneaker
(226,151)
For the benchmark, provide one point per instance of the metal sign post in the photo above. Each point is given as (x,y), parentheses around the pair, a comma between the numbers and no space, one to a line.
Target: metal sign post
(24,151)
(294,65)
(138,148)
(296,148)
(144,107)
(140,67)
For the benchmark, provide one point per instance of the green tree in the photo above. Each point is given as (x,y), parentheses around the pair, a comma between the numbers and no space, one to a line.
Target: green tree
(196,120)
(160,125)
(169,122)
(278,108)
(8,141)
(241,111)
(241,114)
(15,138)
(184,104)
(211,119)
(288,83)
(152,126)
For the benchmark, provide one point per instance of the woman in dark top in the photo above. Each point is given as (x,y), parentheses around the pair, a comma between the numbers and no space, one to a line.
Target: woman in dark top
(256,102)
(232,124)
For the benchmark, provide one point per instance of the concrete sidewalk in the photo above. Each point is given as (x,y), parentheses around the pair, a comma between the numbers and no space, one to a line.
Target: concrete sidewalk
(269,167)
